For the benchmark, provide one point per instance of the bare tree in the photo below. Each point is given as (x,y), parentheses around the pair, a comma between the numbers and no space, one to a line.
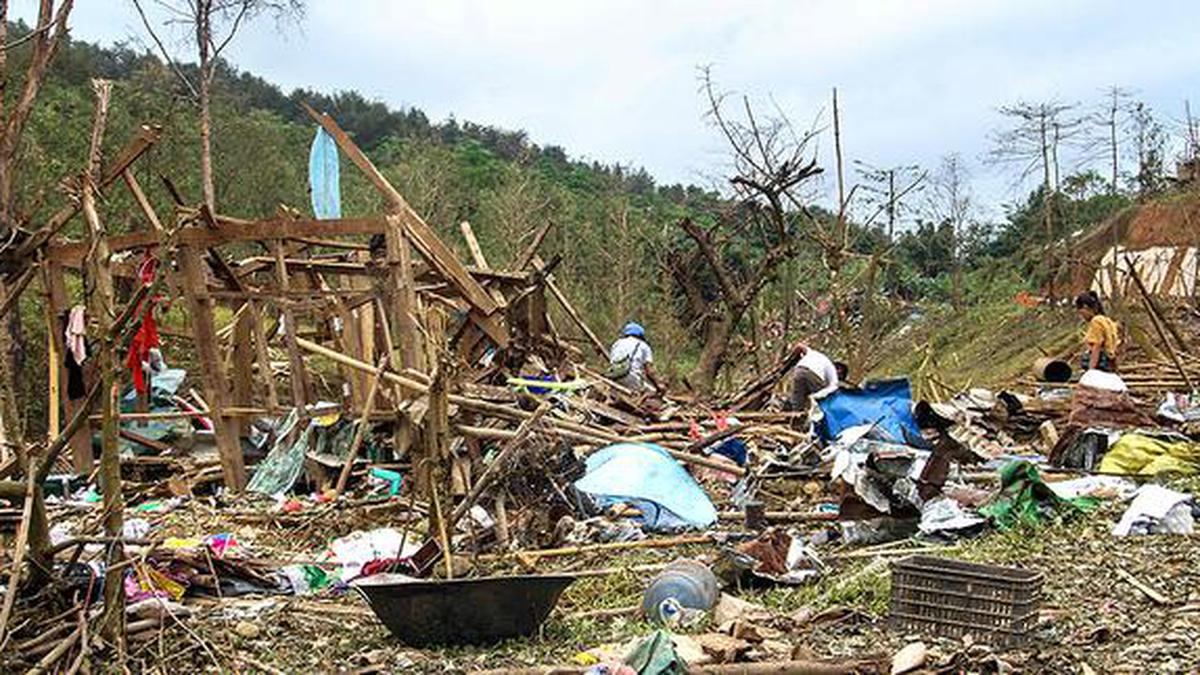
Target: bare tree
(43,42)
(949,202)
(885,190)
(1031,143)
(211,26)
(1149,144)
(765,218)
(1108,122)
(1191,133)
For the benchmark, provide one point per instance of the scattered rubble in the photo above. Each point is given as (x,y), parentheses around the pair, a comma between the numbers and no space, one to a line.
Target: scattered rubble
(418,432)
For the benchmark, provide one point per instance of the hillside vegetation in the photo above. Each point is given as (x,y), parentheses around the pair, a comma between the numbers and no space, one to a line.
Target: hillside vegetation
(615,228)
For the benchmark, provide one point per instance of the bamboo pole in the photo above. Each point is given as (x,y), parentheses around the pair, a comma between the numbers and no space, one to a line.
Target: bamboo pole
(562,427)
(1158,328)
(494,469)
(360,431)
(594,548)
(19,548)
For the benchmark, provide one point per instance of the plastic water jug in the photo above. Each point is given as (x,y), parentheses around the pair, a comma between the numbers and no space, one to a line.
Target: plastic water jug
(689,583)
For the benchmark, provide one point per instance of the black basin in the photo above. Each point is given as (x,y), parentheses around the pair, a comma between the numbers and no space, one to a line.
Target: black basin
(463,611)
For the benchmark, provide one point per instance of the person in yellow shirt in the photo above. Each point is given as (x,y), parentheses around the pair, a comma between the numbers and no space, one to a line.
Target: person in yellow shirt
(1101,338)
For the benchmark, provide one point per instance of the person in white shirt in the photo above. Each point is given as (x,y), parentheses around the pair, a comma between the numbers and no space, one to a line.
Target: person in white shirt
(815,377)
(631,360)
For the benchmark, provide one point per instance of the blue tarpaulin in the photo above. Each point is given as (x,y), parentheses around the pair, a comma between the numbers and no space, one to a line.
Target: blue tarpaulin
(323,177)
(648,477)
(885,403)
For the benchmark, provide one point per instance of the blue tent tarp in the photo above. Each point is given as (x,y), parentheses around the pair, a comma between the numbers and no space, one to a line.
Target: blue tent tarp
(647,476)
(885,403)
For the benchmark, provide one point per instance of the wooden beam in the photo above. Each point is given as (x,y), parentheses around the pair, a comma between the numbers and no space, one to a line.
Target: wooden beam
(143,203)
(227,231)
(233,468)
(298,376)
(147,136)
(263,356)
(82,458)
(570,310)
(423,237)
(242,358)
(403,298)
(473,245)
(531,250)
(54,356)
(491,327)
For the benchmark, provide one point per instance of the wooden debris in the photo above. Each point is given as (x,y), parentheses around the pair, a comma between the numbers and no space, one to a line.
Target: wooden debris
(1146,590)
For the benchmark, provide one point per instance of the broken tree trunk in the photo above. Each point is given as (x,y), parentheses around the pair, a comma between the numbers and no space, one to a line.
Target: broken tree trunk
(102,305)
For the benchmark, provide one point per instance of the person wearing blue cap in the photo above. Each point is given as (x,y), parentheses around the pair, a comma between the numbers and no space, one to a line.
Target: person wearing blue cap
(631,360)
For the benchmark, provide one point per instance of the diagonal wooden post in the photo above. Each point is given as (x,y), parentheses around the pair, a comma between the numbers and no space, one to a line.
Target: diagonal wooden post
(360,431)
(423,237)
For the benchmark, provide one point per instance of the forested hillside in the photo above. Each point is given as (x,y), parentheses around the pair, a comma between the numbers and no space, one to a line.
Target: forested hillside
(615,228)
(608,220)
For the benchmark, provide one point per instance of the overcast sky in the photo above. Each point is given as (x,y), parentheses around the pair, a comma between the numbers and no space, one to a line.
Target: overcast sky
(616,80)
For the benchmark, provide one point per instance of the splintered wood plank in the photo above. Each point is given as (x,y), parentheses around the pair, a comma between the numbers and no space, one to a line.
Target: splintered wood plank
(423,237)
(233,468)
(473,245)
(404,297)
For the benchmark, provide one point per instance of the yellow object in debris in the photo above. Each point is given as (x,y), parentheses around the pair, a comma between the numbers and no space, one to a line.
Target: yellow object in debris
(1147,455)
(585,659)
(175,543)
(328,419)
(151,580)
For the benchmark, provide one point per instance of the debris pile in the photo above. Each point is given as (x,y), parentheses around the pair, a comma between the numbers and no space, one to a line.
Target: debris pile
(374,418)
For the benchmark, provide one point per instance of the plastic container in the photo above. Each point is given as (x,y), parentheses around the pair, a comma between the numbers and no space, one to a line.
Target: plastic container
(688,582)
(951,598)
(1050,369)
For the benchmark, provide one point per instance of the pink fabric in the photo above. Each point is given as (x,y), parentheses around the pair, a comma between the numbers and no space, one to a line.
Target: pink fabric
(75,333)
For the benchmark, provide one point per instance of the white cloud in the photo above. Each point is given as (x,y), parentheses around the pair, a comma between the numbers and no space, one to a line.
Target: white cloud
(616,80)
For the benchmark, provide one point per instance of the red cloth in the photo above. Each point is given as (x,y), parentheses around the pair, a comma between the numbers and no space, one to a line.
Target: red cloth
(139,349)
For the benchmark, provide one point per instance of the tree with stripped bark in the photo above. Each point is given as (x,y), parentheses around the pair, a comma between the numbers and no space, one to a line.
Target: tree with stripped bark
(38,46)
(210,25)
(737,247)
